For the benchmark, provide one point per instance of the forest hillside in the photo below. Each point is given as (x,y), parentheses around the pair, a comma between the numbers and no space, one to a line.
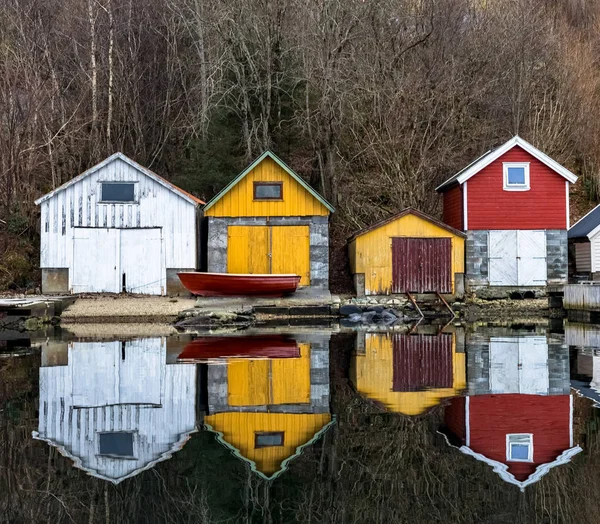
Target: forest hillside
(373,102)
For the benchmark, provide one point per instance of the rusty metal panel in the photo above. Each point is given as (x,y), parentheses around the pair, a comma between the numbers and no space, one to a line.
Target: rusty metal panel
(421,265)
(422,362)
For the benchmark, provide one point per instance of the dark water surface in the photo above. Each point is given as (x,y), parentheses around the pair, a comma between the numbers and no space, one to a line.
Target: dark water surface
(473,423)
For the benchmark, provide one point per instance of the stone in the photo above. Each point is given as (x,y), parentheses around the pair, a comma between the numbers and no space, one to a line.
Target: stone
(355,317)
(377,309)
(349,309)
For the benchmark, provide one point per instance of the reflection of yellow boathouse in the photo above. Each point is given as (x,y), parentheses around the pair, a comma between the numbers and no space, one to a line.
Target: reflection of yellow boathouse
(268,410)
(408,374)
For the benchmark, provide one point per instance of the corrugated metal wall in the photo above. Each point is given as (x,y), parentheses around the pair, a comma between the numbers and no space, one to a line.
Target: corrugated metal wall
(78,206)
(421,265)
(422,361)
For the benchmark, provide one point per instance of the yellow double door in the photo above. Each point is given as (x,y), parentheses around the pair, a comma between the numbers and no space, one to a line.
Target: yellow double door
(269,250)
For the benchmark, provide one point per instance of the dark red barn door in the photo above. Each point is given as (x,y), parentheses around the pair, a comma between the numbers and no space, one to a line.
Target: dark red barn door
(421,265)
(422,361)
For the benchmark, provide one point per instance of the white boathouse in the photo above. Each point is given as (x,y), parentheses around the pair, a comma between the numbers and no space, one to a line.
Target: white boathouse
(116,408)
(117,227)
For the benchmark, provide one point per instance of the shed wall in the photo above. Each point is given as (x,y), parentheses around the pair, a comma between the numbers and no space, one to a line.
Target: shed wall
(595,253)
(542,207)
(79,206)
(239,200)
(371,252)
(583,257)
(453,207)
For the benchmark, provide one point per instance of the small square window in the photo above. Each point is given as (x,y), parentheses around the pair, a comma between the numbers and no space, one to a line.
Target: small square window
(116,444)
(268,439)
(516,176)
(118,192)
(268,190)
(519,448)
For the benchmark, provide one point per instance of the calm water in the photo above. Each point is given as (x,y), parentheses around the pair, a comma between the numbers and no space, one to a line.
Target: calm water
(457,424)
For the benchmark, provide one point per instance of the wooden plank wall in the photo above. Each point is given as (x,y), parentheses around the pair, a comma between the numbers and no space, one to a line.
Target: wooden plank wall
(585,297)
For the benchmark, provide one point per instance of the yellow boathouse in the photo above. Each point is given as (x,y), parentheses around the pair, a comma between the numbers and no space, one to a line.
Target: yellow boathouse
(408,252)
(267,411)
(408,373)
(269,220)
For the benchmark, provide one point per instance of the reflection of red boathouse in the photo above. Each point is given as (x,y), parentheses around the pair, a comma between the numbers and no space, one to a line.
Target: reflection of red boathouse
(252,346)
(521,436)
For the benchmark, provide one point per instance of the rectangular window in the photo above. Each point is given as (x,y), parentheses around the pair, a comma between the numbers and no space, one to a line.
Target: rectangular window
(516,176)
(116,444)
(519,447)
(268,439)
(118,192)
(268,190)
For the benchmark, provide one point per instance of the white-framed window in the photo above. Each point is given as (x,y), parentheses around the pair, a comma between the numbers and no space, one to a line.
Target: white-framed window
(516,176)
(117,192)
(116,444)
(519,447)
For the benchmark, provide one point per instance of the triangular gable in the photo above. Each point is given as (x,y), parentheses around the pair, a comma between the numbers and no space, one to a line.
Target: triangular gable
(284,464)
(404,212)
(120,156)
(283,166)
(472,169)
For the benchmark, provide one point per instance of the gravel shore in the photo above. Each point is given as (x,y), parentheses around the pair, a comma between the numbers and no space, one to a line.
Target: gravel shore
(126,309)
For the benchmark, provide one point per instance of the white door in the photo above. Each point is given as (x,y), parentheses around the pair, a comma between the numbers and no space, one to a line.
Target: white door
(519,365)
(95,261)
(503,258)
(517,258)
(142,267)
(531,258)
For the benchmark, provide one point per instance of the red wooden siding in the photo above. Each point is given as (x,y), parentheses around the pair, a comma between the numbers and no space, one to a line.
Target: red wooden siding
(454,418)
(422,361)
(542,207)
(421,265)
(492,417)
(453,207)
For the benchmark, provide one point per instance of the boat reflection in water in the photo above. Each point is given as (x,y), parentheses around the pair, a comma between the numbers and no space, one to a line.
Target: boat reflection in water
(268,410)
(518,413)
(409,373)
(116,408)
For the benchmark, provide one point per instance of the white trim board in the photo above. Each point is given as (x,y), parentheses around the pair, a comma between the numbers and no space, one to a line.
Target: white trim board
(497,153)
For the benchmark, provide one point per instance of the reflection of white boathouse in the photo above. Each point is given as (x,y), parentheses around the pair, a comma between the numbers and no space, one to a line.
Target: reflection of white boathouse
(116,408)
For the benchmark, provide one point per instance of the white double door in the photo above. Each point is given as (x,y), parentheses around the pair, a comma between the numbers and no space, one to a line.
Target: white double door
(517,258)
(113,260)
(519,365)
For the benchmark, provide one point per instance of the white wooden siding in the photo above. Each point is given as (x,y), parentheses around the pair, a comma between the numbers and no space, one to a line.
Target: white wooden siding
(517,258)
(78,206)
(100,391)
(583,257)
(595,253)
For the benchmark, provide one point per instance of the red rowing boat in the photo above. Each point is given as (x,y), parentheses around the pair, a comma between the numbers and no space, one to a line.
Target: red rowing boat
(253,346)
(229,284)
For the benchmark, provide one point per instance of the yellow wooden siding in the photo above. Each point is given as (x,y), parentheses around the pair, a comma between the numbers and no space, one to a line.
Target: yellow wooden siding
(371,253)
(239,200)
(290,251)
(270,381)
(372,375)
(239,431)
(248,250)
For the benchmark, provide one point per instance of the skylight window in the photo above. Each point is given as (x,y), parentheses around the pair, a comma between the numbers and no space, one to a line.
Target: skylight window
(519,447)
(516,176)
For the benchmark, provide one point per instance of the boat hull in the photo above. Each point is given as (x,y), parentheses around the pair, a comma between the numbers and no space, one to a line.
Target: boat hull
(259,346)
(226,284)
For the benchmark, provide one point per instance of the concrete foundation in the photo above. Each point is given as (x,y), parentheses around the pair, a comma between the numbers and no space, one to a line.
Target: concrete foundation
(55,280)
(319,242)
(174,285)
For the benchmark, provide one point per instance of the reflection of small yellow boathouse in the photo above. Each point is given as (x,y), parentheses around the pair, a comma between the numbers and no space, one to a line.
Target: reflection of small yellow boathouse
(268,410)
(408,374)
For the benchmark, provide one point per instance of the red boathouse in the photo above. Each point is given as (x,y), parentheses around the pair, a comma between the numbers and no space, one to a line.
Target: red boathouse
(513,203)
(521,436)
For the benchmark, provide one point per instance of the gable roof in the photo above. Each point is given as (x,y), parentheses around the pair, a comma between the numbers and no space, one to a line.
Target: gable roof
(586,225)
(486,159)
(283,166)
(120,156)
(404,212)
